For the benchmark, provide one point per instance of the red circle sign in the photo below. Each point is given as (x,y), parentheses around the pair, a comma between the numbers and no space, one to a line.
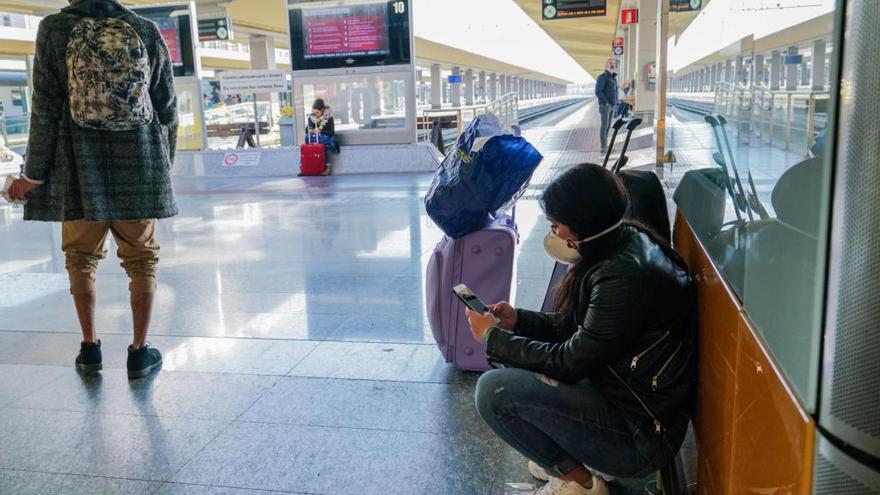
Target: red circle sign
(231,159)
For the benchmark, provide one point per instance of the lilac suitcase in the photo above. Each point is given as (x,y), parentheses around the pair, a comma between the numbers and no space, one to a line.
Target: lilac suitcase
(484,261)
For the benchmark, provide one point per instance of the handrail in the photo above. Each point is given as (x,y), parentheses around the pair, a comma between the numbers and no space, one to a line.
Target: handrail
(755,110)
(506,108)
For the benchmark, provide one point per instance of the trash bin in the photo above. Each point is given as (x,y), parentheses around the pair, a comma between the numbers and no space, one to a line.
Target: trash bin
(288,133)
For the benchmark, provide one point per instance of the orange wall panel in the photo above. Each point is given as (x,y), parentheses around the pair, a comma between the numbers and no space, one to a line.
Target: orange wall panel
(773,437)
(752,434)
(719,317)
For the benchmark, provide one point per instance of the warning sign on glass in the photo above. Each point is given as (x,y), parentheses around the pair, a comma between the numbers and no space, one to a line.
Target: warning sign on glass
(567,9)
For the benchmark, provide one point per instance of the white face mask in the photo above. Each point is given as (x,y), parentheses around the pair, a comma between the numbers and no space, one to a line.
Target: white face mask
(566,252)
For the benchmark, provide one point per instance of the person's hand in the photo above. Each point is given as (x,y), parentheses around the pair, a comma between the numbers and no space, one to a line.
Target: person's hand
(480,324)
(506,313)
(21,189)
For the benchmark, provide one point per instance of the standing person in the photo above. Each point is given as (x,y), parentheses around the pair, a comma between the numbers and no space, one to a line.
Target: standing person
(102,142)
(605,382)
(322,126)
(606,93)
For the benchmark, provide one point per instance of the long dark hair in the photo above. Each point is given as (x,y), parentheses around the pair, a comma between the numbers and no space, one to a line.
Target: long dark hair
(589,199)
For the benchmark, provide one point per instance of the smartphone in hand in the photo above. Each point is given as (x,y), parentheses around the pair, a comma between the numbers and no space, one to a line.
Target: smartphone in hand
(467,296)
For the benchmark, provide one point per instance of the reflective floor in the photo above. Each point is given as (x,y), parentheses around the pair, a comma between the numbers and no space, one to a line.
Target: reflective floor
(297,355)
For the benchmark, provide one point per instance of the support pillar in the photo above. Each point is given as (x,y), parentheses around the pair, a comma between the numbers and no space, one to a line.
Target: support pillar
(805,73)
(738,71)
(631,52)
(757,78)
(468,87)
(646,53)
(455,88)
(493,87)
(662,28)
(436,87)
(775,70)
(820,58)
(791,75)
(481,86)
(262,54)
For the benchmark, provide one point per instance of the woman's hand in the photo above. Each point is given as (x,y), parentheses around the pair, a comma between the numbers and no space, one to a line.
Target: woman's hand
(506,313)
(21,189)
(480,324)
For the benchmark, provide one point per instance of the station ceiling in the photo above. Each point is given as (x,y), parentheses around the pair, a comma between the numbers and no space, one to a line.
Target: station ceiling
(269,17)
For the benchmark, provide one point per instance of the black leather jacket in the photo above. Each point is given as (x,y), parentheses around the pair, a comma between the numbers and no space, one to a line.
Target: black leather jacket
(633,338)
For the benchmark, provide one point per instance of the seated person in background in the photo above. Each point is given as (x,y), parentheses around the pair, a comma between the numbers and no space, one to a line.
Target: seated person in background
(321,125)
(604,384)
(623,107)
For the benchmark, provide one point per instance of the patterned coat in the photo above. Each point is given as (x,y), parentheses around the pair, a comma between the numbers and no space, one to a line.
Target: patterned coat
(93,174)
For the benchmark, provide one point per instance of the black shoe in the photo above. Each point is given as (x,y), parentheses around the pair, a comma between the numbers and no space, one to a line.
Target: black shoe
(143,361)
(89,358)
(336,150)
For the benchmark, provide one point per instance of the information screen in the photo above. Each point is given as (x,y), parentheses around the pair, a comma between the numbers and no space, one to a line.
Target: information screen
(174,24)
(346,32)
(366,33)
(170,29)
(567,9)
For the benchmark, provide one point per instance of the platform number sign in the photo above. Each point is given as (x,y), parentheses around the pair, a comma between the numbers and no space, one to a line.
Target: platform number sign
(399,7)
(568,9)
(684,5)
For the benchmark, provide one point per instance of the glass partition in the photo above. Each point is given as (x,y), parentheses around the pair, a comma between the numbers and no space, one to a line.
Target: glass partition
(191,126)
(753,179)
(372,102)
(228,116)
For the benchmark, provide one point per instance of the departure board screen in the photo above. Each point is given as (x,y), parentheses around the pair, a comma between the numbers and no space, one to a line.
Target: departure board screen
(327,35)
(174,24)
(568,9)
(170,29)
(345,32)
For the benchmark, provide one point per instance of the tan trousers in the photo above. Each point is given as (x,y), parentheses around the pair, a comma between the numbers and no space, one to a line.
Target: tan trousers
(83,246)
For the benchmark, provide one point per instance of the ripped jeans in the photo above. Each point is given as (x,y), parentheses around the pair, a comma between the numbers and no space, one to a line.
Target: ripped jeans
(563,426)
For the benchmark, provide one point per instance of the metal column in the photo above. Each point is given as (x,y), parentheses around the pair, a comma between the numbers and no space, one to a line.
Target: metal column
(468,87)
(775,70)
(820,59)
(455,88)
(791,73)
(738,70)
(436,87)
(757,78)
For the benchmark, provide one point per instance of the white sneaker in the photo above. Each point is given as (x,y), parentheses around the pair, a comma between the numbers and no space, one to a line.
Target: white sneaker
(539,473)
(557,486)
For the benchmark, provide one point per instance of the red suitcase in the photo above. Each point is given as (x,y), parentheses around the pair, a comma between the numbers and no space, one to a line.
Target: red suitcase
(313,158)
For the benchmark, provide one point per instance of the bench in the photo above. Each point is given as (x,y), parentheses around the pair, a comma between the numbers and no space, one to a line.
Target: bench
(433,127)
(244,131)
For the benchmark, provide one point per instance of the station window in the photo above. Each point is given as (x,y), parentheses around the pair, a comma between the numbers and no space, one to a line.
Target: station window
(755,177)
(365,103)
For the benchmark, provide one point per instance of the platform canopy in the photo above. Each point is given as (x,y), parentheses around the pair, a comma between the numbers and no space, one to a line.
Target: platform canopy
(588,39)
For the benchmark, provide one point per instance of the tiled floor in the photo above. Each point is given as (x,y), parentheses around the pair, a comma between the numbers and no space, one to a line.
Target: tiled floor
(297,355)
